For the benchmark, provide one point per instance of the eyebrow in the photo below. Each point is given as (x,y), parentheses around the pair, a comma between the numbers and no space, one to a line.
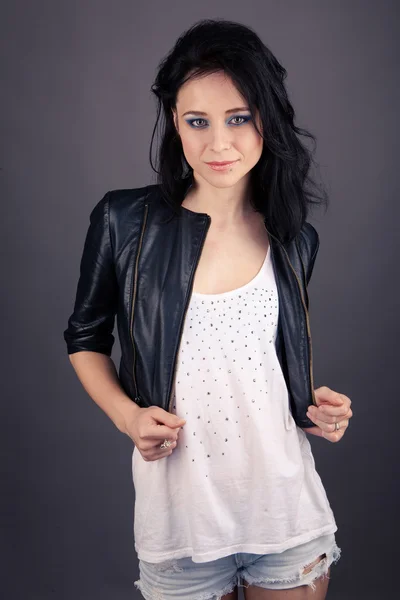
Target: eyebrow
(227,112)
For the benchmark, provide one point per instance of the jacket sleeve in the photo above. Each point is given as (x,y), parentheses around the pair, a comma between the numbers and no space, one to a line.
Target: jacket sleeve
(309,245)
(314,252)
(91,324)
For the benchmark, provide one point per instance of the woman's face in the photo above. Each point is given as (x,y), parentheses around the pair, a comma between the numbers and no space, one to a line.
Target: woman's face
(214,124)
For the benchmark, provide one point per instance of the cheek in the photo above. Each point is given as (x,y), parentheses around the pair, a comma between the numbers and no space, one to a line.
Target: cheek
(191,145)
(251,146)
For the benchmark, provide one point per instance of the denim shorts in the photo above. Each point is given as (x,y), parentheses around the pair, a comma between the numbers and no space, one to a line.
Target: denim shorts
(184,579)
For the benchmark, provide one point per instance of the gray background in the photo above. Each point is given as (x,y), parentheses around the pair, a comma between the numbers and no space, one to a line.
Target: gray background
(76,120)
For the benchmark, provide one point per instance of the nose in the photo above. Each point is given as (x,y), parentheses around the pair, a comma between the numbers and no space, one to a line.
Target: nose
(220,138)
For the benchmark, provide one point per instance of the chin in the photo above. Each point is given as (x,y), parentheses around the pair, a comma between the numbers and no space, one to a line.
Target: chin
(222,178)
(221,183)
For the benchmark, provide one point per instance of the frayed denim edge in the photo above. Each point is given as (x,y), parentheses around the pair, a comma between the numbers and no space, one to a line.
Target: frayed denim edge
(321,568)
(206,596)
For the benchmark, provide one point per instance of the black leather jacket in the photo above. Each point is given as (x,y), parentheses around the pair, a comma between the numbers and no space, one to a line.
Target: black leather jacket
(141,268)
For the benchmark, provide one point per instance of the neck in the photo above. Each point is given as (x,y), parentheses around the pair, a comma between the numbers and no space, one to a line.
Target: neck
(226,206)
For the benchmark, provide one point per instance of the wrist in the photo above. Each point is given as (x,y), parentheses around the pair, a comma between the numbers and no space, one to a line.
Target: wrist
(128,411)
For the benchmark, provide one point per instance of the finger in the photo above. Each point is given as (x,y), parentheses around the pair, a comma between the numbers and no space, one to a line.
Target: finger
(333,419)
(155,431)
(325,394)
(155,452)
(343,424)
(331,409)
(148,442)
(333,412)
(158,448)
(336,436)
(326,426)
(333,437)
(161,452)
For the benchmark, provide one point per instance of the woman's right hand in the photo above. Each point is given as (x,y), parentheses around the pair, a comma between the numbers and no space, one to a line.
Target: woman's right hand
(149,427)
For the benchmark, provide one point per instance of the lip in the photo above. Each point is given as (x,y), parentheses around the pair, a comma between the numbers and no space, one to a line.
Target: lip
(221,166)
(225,162)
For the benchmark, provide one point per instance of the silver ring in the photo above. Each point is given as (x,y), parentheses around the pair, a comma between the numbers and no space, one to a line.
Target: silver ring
(337,426)
(165,444)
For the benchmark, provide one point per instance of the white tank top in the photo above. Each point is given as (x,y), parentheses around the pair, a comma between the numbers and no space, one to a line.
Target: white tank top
(242,477)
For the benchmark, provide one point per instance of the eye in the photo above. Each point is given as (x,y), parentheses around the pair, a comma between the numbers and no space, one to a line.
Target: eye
(245,119)
(192,122)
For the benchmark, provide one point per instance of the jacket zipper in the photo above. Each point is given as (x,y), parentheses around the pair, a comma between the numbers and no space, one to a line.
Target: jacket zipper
(183,318)
(310,364)
(137,396)
(304,272)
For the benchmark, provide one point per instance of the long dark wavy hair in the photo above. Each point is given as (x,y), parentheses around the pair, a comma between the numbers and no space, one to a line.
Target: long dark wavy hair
(281,186)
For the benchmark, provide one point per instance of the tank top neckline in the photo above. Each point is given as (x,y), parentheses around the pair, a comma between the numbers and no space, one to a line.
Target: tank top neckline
(240,289)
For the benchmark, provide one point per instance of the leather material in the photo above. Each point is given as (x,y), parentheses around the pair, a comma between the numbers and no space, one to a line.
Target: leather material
(135,238)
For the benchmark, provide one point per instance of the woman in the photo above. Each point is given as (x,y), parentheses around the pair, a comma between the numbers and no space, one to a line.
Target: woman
(207,272)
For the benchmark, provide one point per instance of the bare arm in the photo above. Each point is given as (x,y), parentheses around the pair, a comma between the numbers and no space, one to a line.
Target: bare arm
(98,375)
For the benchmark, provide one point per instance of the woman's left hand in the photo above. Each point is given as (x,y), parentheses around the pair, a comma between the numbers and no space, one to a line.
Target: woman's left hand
(331,408)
